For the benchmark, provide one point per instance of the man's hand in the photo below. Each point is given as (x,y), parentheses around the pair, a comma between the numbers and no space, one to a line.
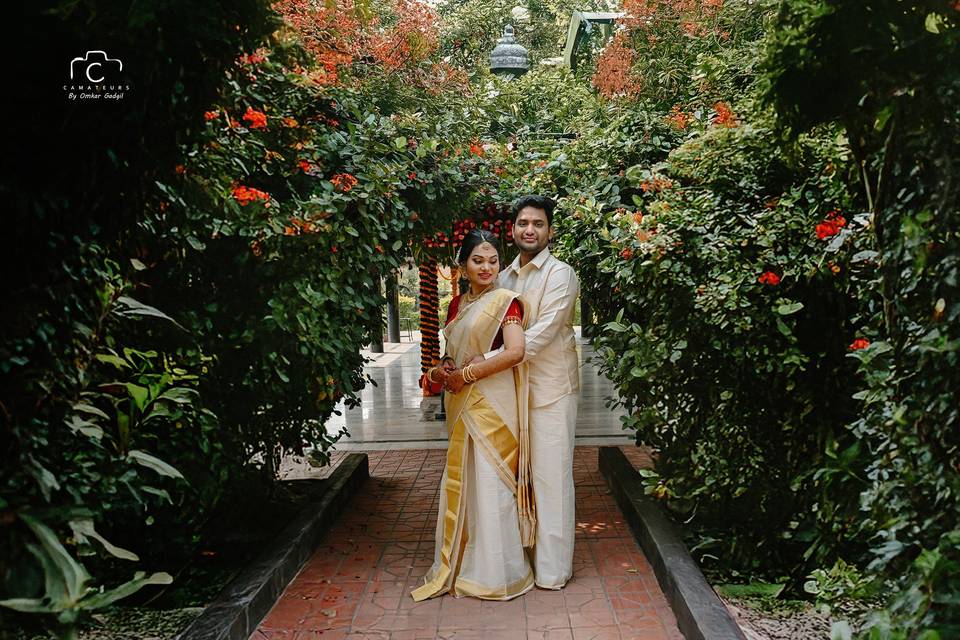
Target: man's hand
(454,382)
(475,360)
(448,365)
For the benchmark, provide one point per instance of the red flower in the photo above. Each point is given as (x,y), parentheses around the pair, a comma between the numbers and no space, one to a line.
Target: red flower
(211,115)
(246,195)
(627,253)
(476,149)
(770,278)
(180,169)
(412,175)
(826,229)
(256,119)
(343,181)
(837,219)
(859,343)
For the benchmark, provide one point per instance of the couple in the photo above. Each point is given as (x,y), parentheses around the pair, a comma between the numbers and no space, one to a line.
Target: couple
(506,517)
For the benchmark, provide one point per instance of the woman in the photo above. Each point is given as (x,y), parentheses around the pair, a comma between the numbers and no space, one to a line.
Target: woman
(486,501)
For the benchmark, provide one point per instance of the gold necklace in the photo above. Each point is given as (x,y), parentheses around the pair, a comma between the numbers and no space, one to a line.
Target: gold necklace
(472,297)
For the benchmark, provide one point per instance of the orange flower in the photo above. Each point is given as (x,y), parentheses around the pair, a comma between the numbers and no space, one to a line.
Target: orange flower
(246,195)
(255,119)
(211,115)
(476,149)
(678,118)
(627,253)
(180,169)
(290,122)
(305,166)
(859,343)
(343,181)
(638,217)
(725,116)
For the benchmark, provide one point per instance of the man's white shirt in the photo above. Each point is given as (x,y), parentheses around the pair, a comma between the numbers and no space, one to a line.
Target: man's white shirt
(550,287)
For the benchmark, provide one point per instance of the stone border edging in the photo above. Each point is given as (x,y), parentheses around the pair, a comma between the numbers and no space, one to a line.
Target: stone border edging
(700,613)
(246,600)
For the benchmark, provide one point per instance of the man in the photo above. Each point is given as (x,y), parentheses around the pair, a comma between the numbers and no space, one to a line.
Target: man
(550,287)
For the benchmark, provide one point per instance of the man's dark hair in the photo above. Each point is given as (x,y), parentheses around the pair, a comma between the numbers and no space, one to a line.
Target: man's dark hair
(473,239)
(537,202)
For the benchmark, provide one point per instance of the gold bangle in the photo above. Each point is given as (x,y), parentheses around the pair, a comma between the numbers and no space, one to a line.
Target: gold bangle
(470,374)
(430,372)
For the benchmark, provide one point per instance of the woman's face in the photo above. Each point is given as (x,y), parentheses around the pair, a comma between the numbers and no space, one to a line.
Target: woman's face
(483,265)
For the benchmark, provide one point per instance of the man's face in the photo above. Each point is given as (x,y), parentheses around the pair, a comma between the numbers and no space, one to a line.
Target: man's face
(531,232)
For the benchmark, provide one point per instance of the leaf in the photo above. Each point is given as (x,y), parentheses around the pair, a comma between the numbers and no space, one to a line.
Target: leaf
(87,428)
(65,578)
(133,307)
(860,256)
(139,394)
(145,459)
(139,266)
(162,493)
(28,605)
(789,308)
(109,358)
(84,529)
(43,476)
(89,408)
(107,598)
(180,395)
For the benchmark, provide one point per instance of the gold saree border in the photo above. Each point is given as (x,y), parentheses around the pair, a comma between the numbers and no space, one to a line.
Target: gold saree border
(453,519)
(464,587)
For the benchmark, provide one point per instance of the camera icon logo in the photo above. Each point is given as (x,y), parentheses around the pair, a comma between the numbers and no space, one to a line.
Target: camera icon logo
(94,65)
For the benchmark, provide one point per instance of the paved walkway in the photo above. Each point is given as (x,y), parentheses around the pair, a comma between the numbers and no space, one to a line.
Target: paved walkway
(358,583)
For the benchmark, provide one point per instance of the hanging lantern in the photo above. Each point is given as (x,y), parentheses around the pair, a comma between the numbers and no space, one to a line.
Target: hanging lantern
(509,58)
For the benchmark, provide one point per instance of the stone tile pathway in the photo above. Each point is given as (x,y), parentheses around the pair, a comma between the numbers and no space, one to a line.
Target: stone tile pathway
(357,584)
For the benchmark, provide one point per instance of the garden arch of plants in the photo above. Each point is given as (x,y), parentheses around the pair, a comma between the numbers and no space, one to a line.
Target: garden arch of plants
(760,199)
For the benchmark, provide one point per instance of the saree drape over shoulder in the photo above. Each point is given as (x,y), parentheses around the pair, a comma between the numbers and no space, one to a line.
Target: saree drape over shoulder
(486,514)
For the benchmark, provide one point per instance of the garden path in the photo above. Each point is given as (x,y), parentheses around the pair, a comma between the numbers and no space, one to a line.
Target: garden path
(358,582)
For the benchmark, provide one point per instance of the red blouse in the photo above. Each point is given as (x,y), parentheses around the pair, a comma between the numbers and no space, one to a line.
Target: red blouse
(514,312)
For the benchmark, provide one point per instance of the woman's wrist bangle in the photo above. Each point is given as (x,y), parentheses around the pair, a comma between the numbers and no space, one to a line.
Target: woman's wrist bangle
(430,373)
(470,374)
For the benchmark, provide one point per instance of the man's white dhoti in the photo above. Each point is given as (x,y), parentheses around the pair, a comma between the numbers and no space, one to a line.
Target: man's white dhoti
(550,288)
(552,430)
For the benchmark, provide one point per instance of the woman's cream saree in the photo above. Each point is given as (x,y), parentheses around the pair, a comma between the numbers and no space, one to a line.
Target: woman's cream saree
(486,496)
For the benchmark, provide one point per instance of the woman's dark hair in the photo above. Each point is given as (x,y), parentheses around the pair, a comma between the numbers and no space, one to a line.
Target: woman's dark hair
(537,202)
(473,239)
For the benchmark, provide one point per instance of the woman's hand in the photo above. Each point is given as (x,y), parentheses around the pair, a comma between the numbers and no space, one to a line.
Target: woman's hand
(454,381)
(439,375)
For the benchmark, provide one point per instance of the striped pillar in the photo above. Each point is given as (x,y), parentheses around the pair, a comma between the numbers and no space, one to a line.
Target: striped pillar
(429,320)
